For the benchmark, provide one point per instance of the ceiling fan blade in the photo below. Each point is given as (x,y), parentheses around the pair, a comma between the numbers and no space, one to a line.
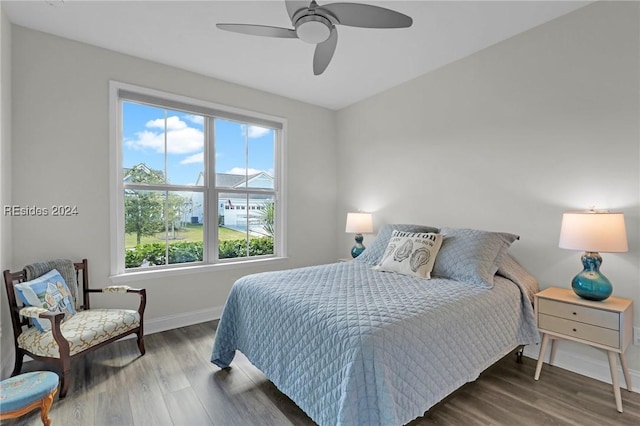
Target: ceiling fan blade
(324,52)
(295,5)
(259,30)
(367,16)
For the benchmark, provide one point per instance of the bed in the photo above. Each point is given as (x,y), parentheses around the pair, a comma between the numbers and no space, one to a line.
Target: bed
(351,345)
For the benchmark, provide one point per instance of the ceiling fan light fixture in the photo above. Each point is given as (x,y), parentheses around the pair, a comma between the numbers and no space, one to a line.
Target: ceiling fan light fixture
(315,24)
(313,29)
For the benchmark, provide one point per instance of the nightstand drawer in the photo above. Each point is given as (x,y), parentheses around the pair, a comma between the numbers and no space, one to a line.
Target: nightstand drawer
(579,330)
(582,314)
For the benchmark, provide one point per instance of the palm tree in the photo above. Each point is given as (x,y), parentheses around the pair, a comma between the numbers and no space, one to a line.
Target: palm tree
(268,214)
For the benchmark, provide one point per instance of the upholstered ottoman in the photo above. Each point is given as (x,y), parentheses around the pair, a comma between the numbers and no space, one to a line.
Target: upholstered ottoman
(26,392)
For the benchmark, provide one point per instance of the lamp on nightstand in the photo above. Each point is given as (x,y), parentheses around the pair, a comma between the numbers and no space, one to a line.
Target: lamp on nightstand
(359,223)
(593,231)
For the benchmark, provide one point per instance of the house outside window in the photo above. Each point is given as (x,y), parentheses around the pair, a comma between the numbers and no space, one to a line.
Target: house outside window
(193,183)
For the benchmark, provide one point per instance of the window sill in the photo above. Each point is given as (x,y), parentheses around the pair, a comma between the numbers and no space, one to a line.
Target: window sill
(192,269)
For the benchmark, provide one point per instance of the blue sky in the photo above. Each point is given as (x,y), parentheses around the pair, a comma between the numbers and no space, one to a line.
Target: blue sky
(144,142)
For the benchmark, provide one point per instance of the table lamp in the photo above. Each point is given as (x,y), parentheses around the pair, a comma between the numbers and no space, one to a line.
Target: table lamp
(593,231)
(359,223)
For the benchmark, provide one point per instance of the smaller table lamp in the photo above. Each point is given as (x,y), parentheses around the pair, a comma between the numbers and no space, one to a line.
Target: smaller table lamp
(593,231)
(359,223)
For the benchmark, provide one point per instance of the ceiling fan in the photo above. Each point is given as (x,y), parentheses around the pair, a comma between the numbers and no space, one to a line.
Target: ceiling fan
(316,24)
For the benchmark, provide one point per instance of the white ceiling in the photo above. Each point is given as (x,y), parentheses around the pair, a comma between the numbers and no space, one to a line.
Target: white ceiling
(367,61)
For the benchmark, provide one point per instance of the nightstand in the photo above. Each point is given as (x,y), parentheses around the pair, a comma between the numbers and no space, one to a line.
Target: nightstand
(561,314)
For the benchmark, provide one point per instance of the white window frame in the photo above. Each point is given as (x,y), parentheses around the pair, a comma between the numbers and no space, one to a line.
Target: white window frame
(118,271)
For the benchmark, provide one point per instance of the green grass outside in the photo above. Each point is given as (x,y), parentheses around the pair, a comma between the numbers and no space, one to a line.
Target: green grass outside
(192,232)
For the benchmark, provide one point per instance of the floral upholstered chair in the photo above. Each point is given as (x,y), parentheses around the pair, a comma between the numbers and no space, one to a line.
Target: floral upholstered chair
(51,325)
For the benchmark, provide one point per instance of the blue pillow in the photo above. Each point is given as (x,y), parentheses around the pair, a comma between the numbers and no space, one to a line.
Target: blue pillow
(471,255)
(50,292)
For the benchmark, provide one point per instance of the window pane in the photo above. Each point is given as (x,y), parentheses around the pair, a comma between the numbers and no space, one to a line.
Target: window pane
(261,157)
(262,223)
(232,225)
(160,143)
(231,153)
(246,225)
(143,141)
(185,148)
(144,221)
(160,228)
(184,233)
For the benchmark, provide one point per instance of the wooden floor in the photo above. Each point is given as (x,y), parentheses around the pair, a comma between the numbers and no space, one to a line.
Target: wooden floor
(175,384)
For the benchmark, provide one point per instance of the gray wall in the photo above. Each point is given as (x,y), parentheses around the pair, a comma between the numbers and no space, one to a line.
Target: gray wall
(508,139)
(60,142)
(6,345)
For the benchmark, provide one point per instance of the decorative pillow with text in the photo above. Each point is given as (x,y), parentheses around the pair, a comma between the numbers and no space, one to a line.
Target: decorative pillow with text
(410,253)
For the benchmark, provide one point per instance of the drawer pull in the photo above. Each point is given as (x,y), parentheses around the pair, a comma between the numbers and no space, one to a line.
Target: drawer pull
(575,313)
(574,330)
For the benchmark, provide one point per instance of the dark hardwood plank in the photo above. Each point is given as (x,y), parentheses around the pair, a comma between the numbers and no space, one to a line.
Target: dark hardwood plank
(175,384)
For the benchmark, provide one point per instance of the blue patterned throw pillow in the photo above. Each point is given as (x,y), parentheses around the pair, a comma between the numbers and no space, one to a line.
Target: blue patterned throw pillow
(50,292)
(471,255)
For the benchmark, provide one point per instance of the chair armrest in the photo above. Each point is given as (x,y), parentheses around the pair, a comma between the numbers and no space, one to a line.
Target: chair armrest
(115,289)
(33,311)
(55,318)
(41,313)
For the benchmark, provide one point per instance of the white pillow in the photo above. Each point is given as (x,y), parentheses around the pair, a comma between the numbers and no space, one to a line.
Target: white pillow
(410,253)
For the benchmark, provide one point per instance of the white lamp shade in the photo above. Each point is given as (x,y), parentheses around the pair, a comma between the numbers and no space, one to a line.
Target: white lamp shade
(359,223)
(593,231)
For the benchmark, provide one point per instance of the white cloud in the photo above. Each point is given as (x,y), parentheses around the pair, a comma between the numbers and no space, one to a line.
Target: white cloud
(257,131)
(242,171)
(181,139)
(173,123)
(195,119)
(195,158)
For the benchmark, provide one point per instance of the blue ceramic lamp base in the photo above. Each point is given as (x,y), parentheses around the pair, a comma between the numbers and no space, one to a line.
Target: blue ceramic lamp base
(358,248)
(590,284)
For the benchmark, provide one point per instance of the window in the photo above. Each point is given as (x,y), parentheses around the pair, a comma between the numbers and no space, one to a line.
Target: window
(193,183)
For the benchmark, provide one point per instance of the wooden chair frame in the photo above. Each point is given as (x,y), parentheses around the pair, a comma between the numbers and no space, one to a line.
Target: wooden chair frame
(63,364)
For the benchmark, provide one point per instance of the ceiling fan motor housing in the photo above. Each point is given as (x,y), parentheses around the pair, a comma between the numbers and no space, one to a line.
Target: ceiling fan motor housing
(313,29)
(313,25)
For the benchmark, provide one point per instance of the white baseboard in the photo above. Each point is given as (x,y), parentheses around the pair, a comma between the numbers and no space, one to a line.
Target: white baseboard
(170,322)
(584,365)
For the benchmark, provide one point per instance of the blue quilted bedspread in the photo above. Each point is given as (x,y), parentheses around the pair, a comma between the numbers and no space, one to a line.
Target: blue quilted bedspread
(354,346)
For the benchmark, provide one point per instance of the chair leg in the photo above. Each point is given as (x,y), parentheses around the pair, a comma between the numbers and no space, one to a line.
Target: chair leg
(18,363)
(65,370)
(140,342)
(46,406)
(64,384)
